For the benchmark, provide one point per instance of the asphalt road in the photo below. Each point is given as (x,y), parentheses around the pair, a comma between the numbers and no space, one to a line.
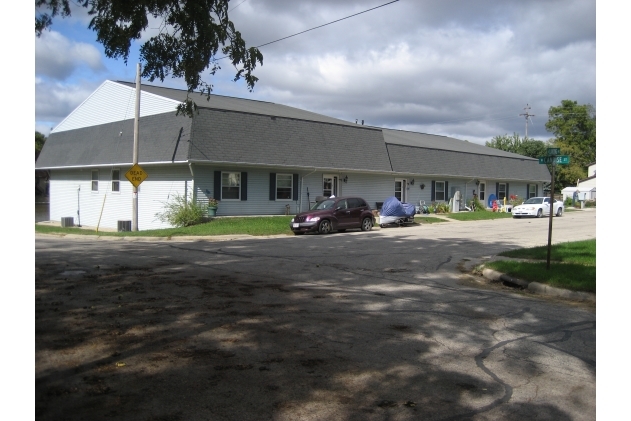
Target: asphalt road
(380,325)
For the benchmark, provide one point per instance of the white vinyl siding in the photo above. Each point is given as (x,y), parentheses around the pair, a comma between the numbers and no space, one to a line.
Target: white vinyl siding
(70,190)
(104,106)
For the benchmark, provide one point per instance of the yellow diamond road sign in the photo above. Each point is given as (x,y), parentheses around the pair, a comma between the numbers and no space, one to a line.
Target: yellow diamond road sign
(136,175)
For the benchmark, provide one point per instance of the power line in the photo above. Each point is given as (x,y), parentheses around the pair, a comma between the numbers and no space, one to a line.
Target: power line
(237,5)
(316,27)
(338,20)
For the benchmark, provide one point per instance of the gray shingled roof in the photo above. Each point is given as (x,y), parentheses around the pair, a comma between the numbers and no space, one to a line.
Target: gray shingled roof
(284,141)
(102,145)
(220,102)
(424,140)
(409,159)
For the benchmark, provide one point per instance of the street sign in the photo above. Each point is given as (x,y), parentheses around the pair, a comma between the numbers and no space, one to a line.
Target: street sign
(561,159)
(136,175)
(554,151)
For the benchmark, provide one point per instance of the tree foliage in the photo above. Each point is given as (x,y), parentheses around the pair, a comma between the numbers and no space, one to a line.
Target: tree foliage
(574,129)
(191,34)
(40,139)
(522,146)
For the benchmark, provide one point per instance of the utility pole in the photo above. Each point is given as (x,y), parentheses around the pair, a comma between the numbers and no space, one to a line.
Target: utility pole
(527,115)
(134,220)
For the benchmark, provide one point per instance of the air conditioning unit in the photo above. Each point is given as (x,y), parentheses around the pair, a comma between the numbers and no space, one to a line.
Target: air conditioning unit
(124,226)
(67,221)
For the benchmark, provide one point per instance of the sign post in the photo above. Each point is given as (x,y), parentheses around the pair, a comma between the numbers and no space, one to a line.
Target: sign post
(553,158)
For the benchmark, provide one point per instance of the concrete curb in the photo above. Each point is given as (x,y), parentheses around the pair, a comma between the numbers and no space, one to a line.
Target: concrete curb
(538,288)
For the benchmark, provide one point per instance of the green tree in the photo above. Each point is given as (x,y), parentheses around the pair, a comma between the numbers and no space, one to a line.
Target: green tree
(40,139)
(522,146)
(574,129)
(191,34)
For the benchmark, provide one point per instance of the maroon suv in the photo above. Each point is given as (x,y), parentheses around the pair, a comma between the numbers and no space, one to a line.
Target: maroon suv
(334,213)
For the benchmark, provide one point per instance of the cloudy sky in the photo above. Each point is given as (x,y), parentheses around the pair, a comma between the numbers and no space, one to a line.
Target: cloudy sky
(460,68)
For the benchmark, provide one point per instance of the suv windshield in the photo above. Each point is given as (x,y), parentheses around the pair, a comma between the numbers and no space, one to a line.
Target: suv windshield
(325,204)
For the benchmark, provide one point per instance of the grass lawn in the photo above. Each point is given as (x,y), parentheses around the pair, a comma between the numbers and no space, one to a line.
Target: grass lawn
(270,225)
(572,265)
(428,219)
(478,216)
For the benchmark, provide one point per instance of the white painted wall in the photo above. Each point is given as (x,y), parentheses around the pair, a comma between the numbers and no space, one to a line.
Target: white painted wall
(114,102)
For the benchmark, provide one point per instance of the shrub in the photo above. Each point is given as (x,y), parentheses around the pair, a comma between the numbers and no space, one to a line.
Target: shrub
(590,203)
(440,207)
(478,206)
(568,202)
(181,212)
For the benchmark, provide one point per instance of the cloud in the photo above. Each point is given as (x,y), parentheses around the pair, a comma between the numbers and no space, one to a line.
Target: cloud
(58,58)
(461,68)
(54,102)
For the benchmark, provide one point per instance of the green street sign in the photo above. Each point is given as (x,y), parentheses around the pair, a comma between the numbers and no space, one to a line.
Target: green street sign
(554,151)
(561,159)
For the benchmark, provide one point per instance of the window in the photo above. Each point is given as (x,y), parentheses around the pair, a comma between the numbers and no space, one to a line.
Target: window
(95,180)
(230,186)
(116,177)
(399,189)
(482,191)
(532,190)
(284,183)
(329,185)
(501,191)
(440,190)
(355,202)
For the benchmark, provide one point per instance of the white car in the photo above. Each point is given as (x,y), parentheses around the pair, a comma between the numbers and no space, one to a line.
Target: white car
(537,207)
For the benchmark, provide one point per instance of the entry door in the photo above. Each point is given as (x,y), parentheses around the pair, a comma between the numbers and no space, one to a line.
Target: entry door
(482,193)
(400,189)
(329,185)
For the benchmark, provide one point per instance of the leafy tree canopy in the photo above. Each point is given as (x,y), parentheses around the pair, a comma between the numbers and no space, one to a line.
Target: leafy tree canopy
(40,139)
(191,34)
(523,146)
(574,129)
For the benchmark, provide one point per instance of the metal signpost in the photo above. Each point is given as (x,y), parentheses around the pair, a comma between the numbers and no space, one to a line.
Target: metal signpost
(553,158)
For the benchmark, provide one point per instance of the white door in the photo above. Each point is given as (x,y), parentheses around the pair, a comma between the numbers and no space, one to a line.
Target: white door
(400,189)
(482,192)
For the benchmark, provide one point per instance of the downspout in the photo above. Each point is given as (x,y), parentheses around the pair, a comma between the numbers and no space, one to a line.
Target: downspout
(194,196)
(302,182)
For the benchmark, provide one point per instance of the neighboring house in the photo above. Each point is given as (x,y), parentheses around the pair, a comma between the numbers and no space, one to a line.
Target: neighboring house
(586,188)
(590,181)
(256,158)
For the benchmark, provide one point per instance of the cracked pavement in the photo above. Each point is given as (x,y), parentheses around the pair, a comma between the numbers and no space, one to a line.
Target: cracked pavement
(353,326)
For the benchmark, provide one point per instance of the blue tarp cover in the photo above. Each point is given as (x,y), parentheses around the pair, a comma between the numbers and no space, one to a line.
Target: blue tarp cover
(392,207)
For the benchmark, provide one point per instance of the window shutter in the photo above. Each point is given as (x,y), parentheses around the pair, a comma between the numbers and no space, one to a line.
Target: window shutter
(272,186)
(537,190)
(446,191)
(507,194)
(497,191)
(295,187)
(244,186)
(433,197)
(217,188)
(527,191)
